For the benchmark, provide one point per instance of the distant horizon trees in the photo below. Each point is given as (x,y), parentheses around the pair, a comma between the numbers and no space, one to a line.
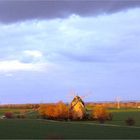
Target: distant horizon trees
(128,104)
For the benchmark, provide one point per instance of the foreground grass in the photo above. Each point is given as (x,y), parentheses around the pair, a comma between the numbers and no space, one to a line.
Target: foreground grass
(120,117)
(33,128)
(43,129)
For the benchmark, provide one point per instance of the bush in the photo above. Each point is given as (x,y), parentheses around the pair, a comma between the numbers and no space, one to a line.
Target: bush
(21,116)
(101,120)
(101,114)
(54,111)
(42,110)
(130,121)
(89,117)
(110,117)
(8,115)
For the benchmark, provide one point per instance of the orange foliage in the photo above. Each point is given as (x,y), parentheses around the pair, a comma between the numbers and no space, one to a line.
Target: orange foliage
(62,110)
(100,112)
(54,111)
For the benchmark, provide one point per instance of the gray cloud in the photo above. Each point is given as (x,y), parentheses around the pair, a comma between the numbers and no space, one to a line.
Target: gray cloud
(99,54)
(12,11)
(106,38)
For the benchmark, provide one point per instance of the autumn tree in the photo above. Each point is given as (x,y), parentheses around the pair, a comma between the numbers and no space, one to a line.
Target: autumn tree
(62,110)
(42,110)
(54,111)
(100,113)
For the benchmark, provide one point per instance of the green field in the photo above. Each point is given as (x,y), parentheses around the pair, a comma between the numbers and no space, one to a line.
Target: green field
(120,115)
(15,111)
(36,129)
(33,128)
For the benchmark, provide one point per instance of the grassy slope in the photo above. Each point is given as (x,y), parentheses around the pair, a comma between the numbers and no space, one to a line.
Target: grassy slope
(120,115)
(16,111)
(46,129)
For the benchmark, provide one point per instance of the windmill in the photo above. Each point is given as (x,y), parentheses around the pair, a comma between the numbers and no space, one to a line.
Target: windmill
(118,102)
(77,108)
(73,94)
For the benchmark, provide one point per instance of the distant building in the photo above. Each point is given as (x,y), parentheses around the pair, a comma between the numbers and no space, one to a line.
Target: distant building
(77,108)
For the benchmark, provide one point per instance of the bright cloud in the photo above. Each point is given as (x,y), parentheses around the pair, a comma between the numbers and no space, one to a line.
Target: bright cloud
(15,65)
(33,53)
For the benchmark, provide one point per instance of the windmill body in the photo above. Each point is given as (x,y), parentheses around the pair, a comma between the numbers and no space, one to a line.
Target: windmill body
(77,108)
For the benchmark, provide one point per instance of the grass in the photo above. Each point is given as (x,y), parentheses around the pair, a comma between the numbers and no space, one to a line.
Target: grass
(42,129)
(16,111)
(120,115)
(125,110)
(33,128)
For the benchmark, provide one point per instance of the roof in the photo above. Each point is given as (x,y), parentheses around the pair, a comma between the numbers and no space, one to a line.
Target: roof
(76,100)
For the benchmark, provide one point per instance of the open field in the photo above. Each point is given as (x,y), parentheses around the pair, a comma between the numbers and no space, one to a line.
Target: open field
(120,115)
(48,129)
(32,127)
(16,111)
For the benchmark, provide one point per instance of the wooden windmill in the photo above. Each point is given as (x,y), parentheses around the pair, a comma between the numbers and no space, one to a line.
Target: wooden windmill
(77,108)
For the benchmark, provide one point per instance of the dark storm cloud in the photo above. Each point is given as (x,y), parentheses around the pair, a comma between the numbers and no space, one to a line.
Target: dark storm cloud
(12,11)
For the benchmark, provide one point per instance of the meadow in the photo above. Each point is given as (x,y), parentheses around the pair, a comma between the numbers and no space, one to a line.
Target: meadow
(43,129)
(33,127)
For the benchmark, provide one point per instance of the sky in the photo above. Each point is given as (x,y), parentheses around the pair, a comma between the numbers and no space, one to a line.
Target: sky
(53,50)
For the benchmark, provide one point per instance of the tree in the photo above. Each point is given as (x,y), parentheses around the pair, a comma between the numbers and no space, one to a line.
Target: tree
(62,110)
(42,110)
(54,111)
(100,113)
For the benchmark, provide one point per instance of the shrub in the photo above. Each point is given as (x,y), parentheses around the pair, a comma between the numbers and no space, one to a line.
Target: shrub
(42,110)
(21,116)
(110,117)
(62,110)
(54,111)
(130,121)
(101,120)
(8,115)
(87,117)
(101,114)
